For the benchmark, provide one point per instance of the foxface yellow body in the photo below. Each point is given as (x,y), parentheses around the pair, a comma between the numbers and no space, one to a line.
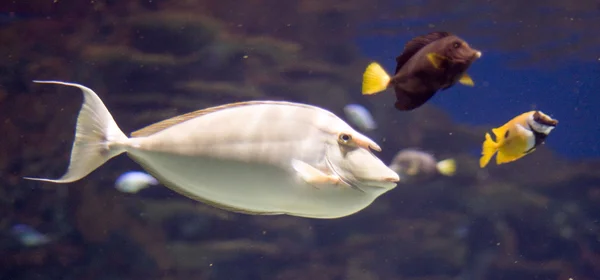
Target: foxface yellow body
(517,138)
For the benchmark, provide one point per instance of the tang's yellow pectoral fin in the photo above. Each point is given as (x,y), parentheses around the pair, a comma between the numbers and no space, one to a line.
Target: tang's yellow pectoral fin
(312,175)
(375,79)
(489,148)
(466,80)
(435,59)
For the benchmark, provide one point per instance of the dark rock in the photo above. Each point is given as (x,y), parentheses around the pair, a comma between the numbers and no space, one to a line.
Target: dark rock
(172,33)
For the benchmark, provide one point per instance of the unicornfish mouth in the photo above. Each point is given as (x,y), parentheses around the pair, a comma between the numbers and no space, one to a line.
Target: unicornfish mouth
(386,182)
(394,179)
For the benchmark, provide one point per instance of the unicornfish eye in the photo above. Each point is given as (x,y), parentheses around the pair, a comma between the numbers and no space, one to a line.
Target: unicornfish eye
(456,45)
(345,138)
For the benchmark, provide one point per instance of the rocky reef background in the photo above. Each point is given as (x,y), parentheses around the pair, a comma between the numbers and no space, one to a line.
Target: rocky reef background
(536,218)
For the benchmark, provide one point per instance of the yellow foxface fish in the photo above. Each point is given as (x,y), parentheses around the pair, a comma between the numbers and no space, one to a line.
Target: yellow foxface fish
(259,157)
(517,138)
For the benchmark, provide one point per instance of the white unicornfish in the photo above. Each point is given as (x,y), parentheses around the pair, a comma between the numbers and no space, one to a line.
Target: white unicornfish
(258,157)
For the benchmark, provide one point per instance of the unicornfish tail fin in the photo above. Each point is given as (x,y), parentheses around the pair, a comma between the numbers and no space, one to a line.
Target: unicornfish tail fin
(447,167)
(375,79)
(97,137)
(489,148)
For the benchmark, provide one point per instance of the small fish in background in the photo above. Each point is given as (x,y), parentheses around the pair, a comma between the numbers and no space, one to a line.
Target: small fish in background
(360,116)
(134,181)
(517,138)
(416,165)
(28,236)
(428,63)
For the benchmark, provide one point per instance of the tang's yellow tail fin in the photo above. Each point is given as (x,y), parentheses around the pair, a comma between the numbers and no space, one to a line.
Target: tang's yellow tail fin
(375,79)
(447,167)
(489,148)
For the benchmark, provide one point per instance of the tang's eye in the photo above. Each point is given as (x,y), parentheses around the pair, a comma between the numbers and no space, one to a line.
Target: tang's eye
(456,45)
(345,138)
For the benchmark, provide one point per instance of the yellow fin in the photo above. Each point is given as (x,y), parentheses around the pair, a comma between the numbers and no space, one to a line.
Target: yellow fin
(447,167)
(489,148)
(375,79)
(435,59)
(497,131)
(499,134)
(466,80)
(312,175)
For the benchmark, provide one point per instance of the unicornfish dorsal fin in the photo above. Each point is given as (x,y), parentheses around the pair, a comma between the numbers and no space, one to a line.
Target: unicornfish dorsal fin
(159,126)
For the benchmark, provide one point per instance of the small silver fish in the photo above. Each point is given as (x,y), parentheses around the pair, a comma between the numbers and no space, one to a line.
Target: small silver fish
(258,157)
(360,116)
(420,166)
(28,236)
(134,181)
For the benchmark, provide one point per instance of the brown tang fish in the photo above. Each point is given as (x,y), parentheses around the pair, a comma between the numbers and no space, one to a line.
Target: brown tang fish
(260,157)
(429,63)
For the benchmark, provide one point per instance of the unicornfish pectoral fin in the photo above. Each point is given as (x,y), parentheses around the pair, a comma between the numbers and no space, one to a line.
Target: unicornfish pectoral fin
(375,79)
(436,60)
(466,80)
(312,175)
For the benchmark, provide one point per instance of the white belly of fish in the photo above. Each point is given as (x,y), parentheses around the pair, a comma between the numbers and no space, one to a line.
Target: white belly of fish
(251,187)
